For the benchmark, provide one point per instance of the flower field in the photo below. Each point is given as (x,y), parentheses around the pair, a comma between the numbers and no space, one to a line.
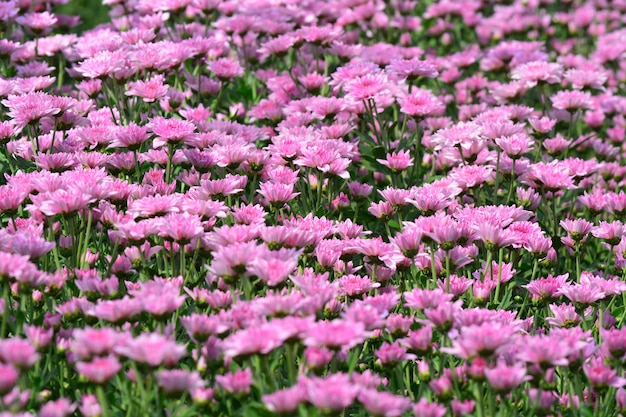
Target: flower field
(313,208)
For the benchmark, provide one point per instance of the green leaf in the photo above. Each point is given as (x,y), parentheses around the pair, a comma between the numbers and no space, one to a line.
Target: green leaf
(256,410)
(379,152)
(24,164)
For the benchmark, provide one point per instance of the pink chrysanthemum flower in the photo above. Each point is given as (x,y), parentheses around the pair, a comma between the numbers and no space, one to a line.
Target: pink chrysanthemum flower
(30,108)
(331,394)
(149,90)
(100,369)
(226,69)
(38,23)
(571,100)
(411,69)
(582,79)
(538,71)
(170,130)
(504,378)
(420,103)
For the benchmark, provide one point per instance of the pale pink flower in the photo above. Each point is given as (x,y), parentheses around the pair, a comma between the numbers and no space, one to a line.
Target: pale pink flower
(538,71)
(99,370)
(149,90)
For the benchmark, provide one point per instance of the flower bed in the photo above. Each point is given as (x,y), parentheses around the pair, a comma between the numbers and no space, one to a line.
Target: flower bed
(341,207)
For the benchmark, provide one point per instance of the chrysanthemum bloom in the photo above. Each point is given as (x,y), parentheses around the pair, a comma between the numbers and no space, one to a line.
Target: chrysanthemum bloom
(571,100)
(64,202)
(89,406)
(538,71)
(8,377)
(39,23)
(99,370)
(152,349)
(320,35)
(255,340)
(582,79)
(18,352)
(483,340)
(90,342)
(424,408)
(285,401)
(277,194)
(611,233)
(30,108)
(515,145)
(368,87)
(226,69)
(331,394)
(279,46)
(503,379)
(149,90)
(61,407)
(397,161)
(602,376)
(238,382)
(577,229)
(170,130)
(275,267)
(583,294)
(130,136)
(563,315)
(176,382)
(411,69)
(336,334)
(383,404)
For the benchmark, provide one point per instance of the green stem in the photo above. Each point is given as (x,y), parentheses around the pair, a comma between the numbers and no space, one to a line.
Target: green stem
(102,399)
(86,243)
(511,186)
(497,294)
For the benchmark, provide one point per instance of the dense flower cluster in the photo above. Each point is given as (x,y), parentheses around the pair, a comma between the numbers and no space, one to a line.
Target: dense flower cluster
(254,207)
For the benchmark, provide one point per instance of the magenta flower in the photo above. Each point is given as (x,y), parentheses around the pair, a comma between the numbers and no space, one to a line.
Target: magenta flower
(8,378)
(99,370)
(258,340)
(39,23)
(571,100)
(336,334)
(226,69)
(151,349)
(424,408)
(482,340)
(534,72)
(610,232)
(397,161)
(149,90)
(170,131)
(564,315)
(285,401)
(602,376)
(175,382)
(582,294)
(411,69)
(238,382)
(331,394)
(200,326)
(383,404)
(18,352)
(515,145)
(30,108)
(58,408)
(420,103)
(504,378)
(90,342)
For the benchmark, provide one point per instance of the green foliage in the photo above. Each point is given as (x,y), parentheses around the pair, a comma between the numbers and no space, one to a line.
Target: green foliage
(91,12)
